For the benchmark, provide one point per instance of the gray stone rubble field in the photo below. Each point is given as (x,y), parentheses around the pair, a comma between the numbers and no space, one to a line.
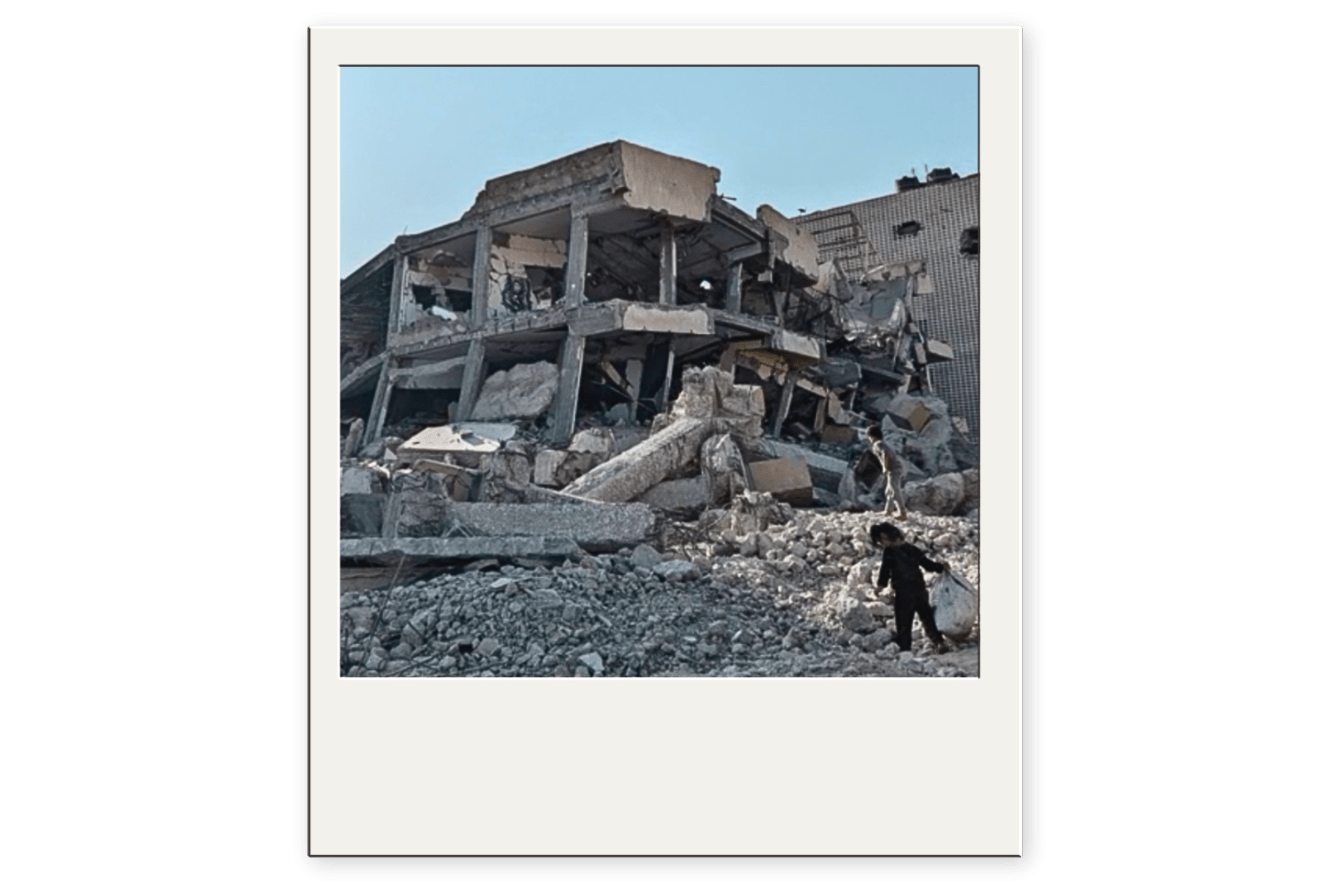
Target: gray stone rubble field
(721,598)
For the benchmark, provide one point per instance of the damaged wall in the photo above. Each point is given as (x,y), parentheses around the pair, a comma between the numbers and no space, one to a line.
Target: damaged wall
(948,304)
(525,274)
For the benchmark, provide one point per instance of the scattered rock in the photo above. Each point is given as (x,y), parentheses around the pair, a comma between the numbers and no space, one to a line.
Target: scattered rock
(645,556)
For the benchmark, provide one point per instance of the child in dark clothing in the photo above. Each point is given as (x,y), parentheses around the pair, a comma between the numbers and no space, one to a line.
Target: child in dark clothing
(902,566)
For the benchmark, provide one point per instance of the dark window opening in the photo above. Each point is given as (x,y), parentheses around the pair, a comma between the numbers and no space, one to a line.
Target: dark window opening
(968,242)
(460,300)
(910,228)
(423,296)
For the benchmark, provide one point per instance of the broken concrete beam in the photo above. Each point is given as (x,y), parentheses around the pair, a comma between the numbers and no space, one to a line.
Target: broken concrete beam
(645,465)
(593,526)
(525,391)
(684,495)
(787,479)
(465,547)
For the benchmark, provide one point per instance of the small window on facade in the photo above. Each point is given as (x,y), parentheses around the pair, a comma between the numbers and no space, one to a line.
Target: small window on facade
(910,228)
(968,242)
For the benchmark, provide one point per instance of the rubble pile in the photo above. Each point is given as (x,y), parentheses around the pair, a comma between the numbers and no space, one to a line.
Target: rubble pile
(757,589)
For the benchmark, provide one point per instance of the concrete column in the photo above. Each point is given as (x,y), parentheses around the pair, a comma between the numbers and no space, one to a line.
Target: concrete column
(734,287)
(479,308)
(381,399)
(784,404)
(728,357)
(564,419)
(575,287)
(663,397)
(669,269)
(471,379)
(633,373)
(396,316)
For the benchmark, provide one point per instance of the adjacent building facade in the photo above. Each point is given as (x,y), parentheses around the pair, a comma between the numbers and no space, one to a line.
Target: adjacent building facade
(931,226)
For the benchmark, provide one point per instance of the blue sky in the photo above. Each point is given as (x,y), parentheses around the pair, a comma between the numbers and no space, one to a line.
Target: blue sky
(417,144)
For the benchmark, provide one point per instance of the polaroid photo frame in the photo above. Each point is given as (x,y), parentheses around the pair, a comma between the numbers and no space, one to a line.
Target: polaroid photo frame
(674,766)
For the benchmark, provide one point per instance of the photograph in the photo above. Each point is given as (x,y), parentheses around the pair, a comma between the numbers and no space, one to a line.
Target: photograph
(659,371)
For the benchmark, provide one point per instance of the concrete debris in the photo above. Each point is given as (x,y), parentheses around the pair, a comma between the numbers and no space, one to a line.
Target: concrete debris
(683,497)
(359,479)
(362,514)
(955,602)
(597,442)
(463,443)
(645,556)
(523,392)
(425,548)
(353,440)
(417,505)
(594,526)
(504,475)
(787,479)
(725,473)
(639,469)
(686,611)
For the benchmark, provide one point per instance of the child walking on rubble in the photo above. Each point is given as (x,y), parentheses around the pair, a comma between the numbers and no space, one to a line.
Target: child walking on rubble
(893,472)
(902,566)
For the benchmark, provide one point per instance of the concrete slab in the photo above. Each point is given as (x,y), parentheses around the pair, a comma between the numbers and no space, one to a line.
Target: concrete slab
(465,547)
(788,479)
(686,494)
(469,437)
(825,471)
(594,526)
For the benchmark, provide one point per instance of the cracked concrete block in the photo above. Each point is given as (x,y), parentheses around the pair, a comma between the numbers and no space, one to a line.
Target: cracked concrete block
(525,391)
(599,441)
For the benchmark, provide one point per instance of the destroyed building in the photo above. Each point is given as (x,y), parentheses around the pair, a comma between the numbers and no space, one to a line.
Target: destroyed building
(924,240)
(596,426)
(607,328)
